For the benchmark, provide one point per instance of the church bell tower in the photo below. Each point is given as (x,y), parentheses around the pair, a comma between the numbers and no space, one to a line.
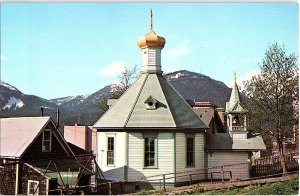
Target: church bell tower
(236,114)
(151,45)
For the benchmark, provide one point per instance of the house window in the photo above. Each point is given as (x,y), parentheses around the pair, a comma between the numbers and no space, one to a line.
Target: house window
(47,136)
(190,151)
(150,152)
(110,150)
(33,188)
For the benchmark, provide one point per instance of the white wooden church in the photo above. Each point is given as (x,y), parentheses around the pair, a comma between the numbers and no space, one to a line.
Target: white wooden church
(151,129)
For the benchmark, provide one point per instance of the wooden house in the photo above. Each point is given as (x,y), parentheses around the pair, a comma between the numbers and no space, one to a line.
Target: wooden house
(35,158)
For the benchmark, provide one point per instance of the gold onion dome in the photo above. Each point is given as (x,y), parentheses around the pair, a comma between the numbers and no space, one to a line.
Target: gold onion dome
(151,39)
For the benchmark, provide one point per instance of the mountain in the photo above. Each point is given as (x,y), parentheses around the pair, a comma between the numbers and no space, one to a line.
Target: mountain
(197,86)
(76,109)
(14,103)
(84,108)
(10,97)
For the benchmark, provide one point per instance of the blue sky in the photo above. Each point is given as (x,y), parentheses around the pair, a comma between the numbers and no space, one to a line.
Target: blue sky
(64,49)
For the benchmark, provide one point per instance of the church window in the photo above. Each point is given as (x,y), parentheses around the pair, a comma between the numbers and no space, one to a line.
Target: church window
(110,150)
(47,137)
(190,151)
(150,155)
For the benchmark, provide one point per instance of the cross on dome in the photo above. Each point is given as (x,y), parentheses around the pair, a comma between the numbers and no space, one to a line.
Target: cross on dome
(151,22)
(151,39)
(234,73)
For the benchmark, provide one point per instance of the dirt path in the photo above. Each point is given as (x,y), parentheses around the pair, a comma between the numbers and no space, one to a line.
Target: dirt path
(206,186)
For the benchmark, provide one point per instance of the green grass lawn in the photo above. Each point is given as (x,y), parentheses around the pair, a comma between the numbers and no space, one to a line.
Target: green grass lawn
(290,187)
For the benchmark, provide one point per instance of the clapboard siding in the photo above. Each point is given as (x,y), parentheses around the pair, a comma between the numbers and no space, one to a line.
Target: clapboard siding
(199,150)
(180,151)
(115,172)
(239,171)
(165,155)
(181,154)
(135,156)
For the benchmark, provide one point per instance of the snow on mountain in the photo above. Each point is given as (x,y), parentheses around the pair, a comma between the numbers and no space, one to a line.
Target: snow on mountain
(183,74)
(13,102)
(173,75)
(4,84)
(63,100)
(114,86)
(10,97)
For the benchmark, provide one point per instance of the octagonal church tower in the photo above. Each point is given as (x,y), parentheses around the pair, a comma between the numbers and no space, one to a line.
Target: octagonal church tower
(150,130)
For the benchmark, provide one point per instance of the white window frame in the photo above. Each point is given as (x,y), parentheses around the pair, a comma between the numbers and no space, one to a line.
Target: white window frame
(155,137)
(110,134)
(29,187)
(48,140)
(113,151)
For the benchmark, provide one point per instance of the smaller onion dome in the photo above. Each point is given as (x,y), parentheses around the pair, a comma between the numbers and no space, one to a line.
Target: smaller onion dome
(151,39)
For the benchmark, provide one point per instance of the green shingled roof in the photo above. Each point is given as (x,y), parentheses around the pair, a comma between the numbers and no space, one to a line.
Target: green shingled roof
(170,110)
(234,105)
(223,141)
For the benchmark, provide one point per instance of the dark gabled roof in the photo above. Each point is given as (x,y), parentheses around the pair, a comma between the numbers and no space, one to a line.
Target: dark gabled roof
(130,111)
(17,134)
(205,113)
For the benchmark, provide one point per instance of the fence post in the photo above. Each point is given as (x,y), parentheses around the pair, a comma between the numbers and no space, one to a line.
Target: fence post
(109,188)
(164,183)
(159,183)
(175,179)
(211,177)
(121,187)
(190,179)
(222,173)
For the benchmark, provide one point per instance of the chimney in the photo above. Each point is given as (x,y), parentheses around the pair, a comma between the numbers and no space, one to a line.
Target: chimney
(78,118)
(42,111)
(57,118)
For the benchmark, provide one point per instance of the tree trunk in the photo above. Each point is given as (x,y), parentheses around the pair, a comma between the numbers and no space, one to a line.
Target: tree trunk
(282,161)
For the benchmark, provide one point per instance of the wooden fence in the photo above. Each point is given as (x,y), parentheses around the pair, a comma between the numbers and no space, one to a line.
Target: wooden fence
(271,165)
(181,178)
(261,167)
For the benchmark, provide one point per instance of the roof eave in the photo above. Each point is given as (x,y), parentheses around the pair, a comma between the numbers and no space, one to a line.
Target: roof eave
(143,129)
(235,150)
(237,112)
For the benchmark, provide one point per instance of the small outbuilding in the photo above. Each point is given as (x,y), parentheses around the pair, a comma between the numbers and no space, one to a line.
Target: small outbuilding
(235,145)
(36,159)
